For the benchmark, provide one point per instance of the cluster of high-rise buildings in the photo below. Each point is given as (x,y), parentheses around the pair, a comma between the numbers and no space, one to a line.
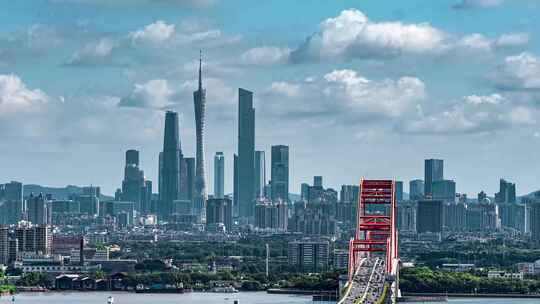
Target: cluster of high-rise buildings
(434,207)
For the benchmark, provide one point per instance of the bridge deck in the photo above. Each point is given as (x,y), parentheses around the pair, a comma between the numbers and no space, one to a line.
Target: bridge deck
(367,285)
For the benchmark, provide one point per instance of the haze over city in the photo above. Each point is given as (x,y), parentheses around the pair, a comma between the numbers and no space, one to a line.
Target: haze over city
(82,81)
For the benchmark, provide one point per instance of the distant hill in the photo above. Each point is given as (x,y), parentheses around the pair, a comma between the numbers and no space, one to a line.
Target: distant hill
(57,193)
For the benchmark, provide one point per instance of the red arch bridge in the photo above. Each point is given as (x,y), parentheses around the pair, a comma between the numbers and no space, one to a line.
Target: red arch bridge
(373,252)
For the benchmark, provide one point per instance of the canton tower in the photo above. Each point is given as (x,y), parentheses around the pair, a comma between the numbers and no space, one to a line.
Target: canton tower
(199,99)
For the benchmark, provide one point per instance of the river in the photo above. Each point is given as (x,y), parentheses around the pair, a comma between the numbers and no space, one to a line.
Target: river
(198,298)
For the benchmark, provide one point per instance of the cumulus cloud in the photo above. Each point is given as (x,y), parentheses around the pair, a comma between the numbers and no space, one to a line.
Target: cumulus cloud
(468,4)
(155,93)
(345,93)
(518,72)
(481,43)
(265,55)
(390,97)
(353,34)
(156,32)
(94,53)
(472,114)
(16,97)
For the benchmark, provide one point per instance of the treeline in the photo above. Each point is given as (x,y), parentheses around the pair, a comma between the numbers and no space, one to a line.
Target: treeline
(248,282)
(424,279)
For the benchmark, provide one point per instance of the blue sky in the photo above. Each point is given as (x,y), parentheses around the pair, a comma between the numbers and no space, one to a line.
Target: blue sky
(356,88)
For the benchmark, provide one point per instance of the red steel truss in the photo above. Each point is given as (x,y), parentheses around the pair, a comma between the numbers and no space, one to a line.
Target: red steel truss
(375,232)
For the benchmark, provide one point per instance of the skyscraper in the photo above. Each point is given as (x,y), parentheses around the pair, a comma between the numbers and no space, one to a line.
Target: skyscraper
(133,185)
(399,191)
(507,193)
(433,171)
(37,210)
(416,189)
(317,181)
(169,165)
(219,175)
(280,173)
(246,154)
(13,207)
(260,173)
(199,100)
(444,190)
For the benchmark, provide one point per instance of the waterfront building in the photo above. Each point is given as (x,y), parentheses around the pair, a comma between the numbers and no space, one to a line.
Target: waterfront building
(309,256)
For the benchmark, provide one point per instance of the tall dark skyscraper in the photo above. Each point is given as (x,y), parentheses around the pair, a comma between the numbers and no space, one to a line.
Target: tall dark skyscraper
(245,189)
(433,171)
(219,175)
(199,99)
(280,173)
(260,173)
(133,185)
(13,208)
(169,165)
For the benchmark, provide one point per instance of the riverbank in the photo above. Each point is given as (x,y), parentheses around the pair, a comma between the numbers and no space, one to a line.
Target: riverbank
(473,295)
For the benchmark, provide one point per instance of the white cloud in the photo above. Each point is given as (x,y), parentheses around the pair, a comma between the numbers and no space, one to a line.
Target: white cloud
(466,4)
(480,43)
(155,93)
(156,32)
(353,34)
(387,97)
(288,89)
(94,53)
(344,95)
(519,72)
(511,40)
(473,114)
(16,97)
(493,99)
(265,55)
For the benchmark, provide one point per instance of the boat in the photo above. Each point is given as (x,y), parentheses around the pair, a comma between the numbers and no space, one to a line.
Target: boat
(110,300)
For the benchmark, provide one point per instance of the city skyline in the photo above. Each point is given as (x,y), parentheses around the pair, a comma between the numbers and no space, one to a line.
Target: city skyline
(112,84)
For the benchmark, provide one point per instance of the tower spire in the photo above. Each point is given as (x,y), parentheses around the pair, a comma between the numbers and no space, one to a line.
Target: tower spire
(200,70)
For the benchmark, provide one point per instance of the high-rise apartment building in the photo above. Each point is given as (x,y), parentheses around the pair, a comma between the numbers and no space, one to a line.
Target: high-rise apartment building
(506,194)
(429,216)
(170,161)
(318,181)
(245,165)
(219,175)
(34,238)
(416,189)
(13,208)
(280,173)
(219,211)
(433,171)
(199,100)
(260,173)
(4,245)
(309,256)
(37,212)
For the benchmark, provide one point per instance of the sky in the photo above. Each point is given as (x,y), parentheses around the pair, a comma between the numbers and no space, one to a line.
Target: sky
(356,88)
